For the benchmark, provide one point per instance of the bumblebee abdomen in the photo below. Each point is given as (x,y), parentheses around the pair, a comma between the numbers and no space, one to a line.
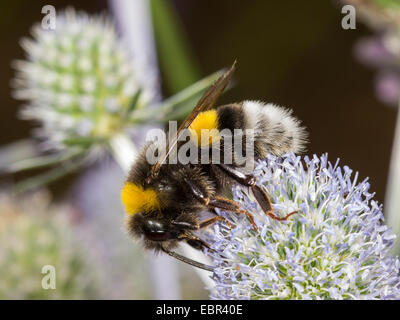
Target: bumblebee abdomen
(231,116)
(276,130)
(206,120)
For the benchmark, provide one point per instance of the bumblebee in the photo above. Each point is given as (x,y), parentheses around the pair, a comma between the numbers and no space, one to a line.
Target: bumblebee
(164,201)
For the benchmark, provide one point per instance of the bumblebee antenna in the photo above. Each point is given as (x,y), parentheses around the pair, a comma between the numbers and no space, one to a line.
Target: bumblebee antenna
(187,260)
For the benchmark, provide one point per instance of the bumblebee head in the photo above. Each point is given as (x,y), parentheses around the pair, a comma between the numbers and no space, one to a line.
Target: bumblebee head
(161,235)
(155,232)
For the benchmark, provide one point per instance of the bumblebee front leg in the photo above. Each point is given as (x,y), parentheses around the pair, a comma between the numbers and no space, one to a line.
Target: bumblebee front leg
(201,225)
(196,242)
(190,238)
(213,220)
(230,205)
(193,240)
(248,180)
(187,260)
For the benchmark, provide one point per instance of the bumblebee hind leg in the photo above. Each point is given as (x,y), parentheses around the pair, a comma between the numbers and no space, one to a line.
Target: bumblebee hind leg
(266,205)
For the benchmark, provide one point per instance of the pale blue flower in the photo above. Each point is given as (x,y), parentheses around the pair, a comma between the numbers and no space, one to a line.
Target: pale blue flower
(335,247)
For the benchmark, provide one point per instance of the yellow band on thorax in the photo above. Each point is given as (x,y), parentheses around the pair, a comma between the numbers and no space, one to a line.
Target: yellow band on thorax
(137,199)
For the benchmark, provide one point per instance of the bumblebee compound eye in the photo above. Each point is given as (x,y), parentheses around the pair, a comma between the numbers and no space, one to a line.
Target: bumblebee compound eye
(155,231)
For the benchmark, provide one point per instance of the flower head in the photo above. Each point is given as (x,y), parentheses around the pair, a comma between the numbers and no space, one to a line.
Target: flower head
(79,80)
(34,234)
(335,247)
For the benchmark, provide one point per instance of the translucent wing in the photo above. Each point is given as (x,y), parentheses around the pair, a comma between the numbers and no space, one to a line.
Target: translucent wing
(207,101)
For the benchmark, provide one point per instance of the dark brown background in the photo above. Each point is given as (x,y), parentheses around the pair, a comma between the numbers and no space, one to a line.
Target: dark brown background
(293,53)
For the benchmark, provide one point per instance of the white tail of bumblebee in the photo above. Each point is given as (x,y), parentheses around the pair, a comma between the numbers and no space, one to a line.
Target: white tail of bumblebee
(277,131)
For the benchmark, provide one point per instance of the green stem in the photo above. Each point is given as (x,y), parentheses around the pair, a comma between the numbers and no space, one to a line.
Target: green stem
(175,57)
(188,93)
(16,151)
(179,103)
(43,161)
(49,176)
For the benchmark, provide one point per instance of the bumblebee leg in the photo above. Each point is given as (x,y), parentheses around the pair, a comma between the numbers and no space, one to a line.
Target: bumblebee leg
(186,225)
(196,242)
(213,220)
(203,198)
(187,260)
(266,205)
(229,205)
(248,180)
(203,224)
(218,202)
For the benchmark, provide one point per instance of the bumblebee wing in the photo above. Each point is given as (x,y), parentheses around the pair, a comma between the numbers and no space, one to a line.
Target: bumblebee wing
(207,101)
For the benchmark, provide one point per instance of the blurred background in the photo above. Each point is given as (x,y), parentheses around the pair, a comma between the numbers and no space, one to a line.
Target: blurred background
(292,53)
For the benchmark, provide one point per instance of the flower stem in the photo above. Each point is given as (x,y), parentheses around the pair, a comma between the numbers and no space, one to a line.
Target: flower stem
(123,150)
(392,200)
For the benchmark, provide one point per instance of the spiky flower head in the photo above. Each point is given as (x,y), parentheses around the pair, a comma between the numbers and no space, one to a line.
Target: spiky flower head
(34,234)
(335,247)
(78,79)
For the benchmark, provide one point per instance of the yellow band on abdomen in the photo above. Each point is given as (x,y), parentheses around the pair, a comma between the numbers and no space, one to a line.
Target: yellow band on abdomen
(206,122)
